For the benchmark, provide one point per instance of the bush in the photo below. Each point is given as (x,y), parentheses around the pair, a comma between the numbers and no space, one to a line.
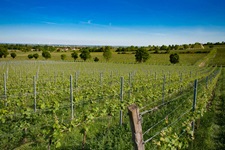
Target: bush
(63,56)
(174,58)
(13,55)
(30,56)
(46,54)
(96,59)
(36,55)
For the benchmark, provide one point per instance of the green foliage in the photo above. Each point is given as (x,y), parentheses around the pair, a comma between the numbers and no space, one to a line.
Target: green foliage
(36,55)
(13,55)
(163,47)
(46,54)
(186,46)
(97,106)
(3,52)
(142,55)
(63,56)
(176,47)
(30,56)
(96,59)
(174,58)
(107,54)
(212,124)
(85,54)
(74,55)
(127,49)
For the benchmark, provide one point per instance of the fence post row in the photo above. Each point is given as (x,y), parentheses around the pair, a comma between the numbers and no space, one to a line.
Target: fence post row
(136,128)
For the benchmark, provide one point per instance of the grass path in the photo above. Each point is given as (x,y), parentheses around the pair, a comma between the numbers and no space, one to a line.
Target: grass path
(211,133)
(220,115)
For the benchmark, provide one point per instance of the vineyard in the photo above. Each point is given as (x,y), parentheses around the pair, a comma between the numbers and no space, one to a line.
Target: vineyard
(67,105)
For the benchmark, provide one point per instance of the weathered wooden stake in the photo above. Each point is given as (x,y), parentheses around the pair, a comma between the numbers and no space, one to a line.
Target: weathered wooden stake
(135,123)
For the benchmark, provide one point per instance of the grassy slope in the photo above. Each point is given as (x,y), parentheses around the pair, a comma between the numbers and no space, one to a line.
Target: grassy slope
(220,57)
(211,133)
(158,59)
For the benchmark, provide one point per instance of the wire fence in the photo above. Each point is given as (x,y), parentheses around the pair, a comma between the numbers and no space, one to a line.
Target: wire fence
(176,112)
(92,94)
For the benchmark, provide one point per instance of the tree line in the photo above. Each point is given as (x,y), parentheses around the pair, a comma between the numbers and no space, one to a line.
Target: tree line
(51,48)
(141,53)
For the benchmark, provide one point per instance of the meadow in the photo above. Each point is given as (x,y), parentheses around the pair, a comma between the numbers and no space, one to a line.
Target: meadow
(157,59)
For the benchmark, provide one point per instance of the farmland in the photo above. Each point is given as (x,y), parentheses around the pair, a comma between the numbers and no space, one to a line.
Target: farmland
(156,59)
(83,105)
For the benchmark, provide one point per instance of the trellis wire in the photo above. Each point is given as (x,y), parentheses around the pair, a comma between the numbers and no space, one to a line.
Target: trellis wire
(164,118)
(146,141)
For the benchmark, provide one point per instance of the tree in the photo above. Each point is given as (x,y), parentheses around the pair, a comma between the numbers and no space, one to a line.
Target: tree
(63,56)
(168,51)
(36,55)
(174,58)
(186,46)
(176,47)
(142,55)
(96,59)
(163,47)
(74,55)
(85,54)
(46,54)
(3,52)
(13,55)
(107,54)
(30,56)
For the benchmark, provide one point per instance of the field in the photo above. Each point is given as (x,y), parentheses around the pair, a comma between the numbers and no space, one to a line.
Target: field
(219,58)
(158,59)
(52,104)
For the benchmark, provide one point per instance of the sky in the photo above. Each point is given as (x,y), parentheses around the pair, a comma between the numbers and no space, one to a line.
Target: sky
(112,22)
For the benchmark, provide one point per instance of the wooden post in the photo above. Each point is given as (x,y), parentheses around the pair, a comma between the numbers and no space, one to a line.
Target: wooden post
(135,123)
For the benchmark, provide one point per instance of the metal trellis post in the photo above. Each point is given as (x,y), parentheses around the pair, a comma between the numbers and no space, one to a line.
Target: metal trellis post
(71,96)
(194,101)
(121,98)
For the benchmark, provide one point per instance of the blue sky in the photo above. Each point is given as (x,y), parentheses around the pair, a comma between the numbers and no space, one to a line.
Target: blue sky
(112,22)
